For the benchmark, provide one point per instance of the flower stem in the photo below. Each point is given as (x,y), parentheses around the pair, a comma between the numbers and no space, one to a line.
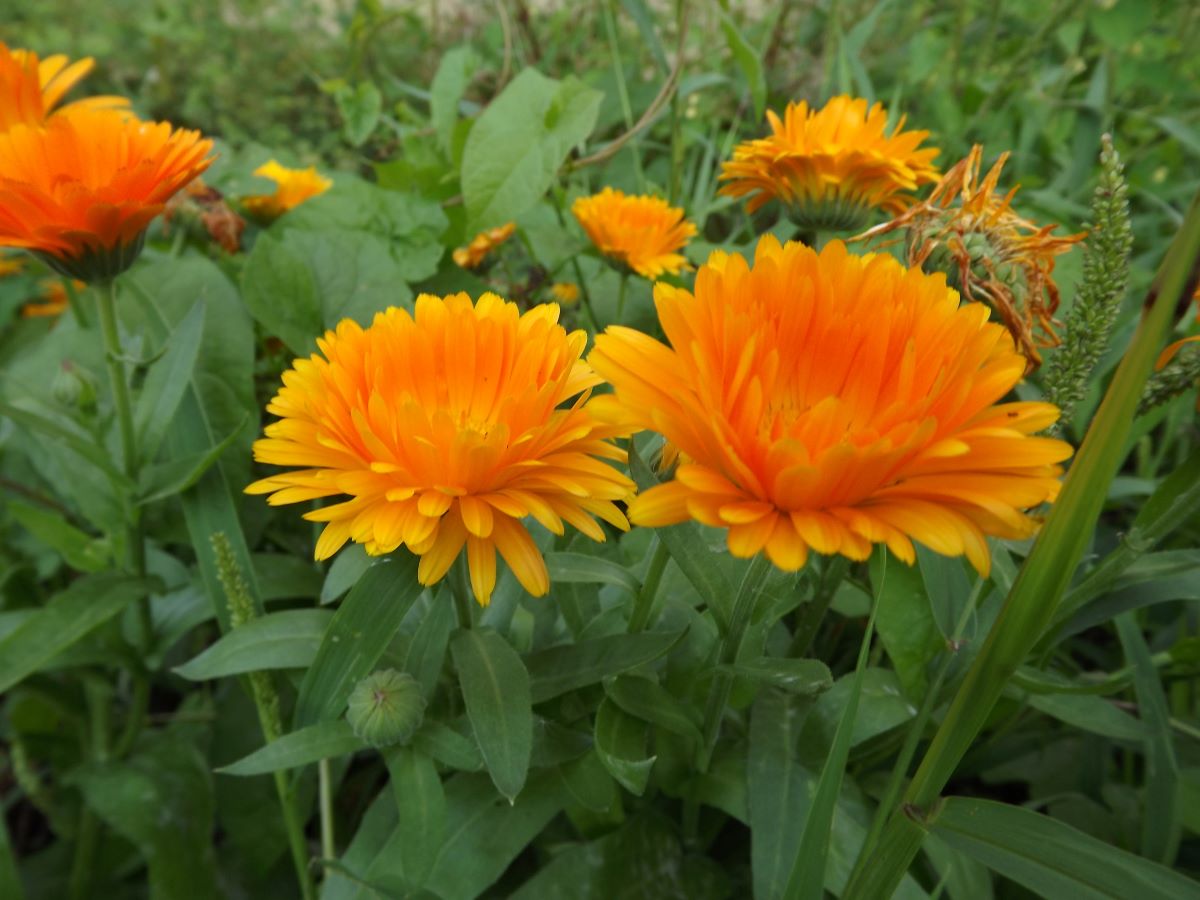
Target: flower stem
(121,402)
(610,26)
(328,850)
(643,604)
(621,295)
(1048,570)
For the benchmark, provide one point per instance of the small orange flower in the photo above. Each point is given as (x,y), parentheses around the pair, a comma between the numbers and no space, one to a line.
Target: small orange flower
(30,88)
(473,255)
(831,402)
(565,293)
(640,231)
(53,300)
(80,191)
(445,429)
(993,255)
(831,166)
(294,186)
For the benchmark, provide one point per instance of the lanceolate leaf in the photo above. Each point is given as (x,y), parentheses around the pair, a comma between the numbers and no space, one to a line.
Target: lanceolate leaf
(324,740)
(167,382)
(567,667)
(282,640)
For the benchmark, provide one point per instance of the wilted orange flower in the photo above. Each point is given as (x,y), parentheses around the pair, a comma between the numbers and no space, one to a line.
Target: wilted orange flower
(53,300)
(446,429)
(294,186)
(472,255)
(565,293)
(830,402)
(201,203)
(831,166)
(80,191)
(30,88)
(640,231)
(994,256)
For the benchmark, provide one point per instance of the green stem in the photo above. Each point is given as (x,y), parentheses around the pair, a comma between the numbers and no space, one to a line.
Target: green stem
(113,358)
(97,696)
(813,614)
(85,854)
(583,290)
(610,27)
(1043,579)
(460,586)
(727,654)
(325,788)
(73,301)
(621,295)
(643,604)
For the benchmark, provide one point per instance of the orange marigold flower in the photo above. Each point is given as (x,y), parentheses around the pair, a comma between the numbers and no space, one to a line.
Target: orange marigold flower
(293,187)
(473,255)
(991,254)
(830,402)
(446,428)
(565,293)
(831,166)
(30,88)
(53,300)
(640,231)
(80,191)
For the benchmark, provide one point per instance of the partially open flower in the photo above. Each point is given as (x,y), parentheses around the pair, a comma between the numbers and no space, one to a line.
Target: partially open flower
(565,293)
(831,166)
(293,187)
(641,232)
(31,88)
(990,254)
(80,191)
(445,429)
(473,255)
(831,402)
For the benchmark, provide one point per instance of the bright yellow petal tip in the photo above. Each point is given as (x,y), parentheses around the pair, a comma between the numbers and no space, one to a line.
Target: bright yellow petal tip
(293,187)
(31,88)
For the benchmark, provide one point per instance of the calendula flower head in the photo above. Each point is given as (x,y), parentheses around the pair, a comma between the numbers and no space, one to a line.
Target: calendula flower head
(989,252)
(565,293)
(53,300)
(638,231)
(473,255)
(831,166)
(443,430)
(293,187)
(831,401)
(31,88)
(80,191)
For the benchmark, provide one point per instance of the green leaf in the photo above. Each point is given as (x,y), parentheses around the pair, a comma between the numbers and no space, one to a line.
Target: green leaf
(284,577)
(1089,713)
(449,84)
(495,687)
(427,649)
(281,640)
(274,270)
(360,631)
(325,740)
(621,746)
(905,622)
(1160,819)
(10,878)
(748,61)
(161,800)
(166,382)
(579,568)
(70,615)
(796,676)
(556,670)
(517,145)
(421,802)
(588,783)
(44,421)
(646,699)
(177,475)
(448,746)
(360,107)
(348,566)
(80,550)
(640,14)
(1050,857)
(777,789)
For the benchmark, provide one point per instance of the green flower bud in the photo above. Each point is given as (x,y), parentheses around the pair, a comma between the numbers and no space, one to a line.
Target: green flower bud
(386,708)
(73,386)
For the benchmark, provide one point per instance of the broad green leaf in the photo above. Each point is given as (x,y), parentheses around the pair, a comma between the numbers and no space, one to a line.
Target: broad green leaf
(905,621)
(427,649)
(882,706)
(360,631)
(649,701)
(80,550)
(360,107)
(161,800)
(44,421)
(325,740)
(285,577)
(377,826)
(580,568)
(449,84)
(1160,820)
(621,746)
(749,61)
(448,746)
(947,588)
(495,688)
(281,640)
(1089,713)
(1050,857)
(777,789)
(348,566)
(965,878)
(167,381)
(167,479)
(421,802)
(796,676)
(588,782)
(273,270)
(519,142)
(556,670)
(68,616)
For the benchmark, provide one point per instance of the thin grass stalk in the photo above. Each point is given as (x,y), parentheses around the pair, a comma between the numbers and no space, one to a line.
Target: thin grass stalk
(1043,579)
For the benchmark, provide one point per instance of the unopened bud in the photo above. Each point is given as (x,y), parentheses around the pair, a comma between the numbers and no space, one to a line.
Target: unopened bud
(386,708)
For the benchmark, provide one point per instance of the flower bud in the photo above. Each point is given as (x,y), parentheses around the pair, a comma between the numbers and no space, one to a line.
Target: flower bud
(73,386)
(386,708)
